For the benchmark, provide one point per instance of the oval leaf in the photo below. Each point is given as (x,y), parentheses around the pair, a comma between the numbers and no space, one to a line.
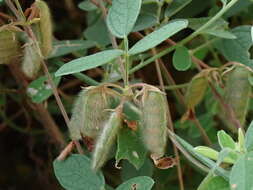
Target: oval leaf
(182,59)
(122,16)
(175,7)
(158,36)
(87,6)
(39,90)
(130,147)
(75,173)
(65,47)
(241,175)
(214,183)
(140,183)
(225,140)
(88,62)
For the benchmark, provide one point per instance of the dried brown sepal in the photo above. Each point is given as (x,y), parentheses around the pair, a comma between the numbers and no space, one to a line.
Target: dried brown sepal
(164,162)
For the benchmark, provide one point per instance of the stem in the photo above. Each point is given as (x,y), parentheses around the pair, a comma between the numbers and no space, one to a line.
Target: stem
(126,55)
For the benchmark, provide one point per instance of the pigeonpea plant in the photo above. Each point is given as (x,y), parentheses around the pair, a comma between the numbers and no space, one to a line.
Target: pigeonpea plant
(124,121)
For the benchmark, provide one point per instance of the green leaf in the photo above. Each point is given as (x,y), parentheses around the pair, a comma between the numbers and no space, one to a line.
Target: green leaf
(189,148)
(129,171)
(220,33)
(196,23)
(131,112)
(138,183)
(65,47)
(207,152)
(252,34)
(89,62)
(130,147)
(225,140)
(249,138)
(87,6)
(241,140)
(39,90)
(122,16)
(175,7)
(98,33)
(182,59)
(144,21)
(75,173)
(107,187)
(158,36)
(214,183)
(241,174)
(237,50)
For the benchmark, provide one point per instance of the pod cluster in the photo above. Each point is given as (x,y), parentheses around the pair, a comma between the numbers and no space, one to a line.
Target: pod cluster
(100,112)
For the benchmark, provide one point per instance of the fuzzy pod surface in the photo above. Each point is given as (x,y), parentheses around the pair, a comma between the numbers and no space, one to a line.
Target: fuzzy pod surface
(31,64)
(9,47)
(106,139)
(237,93)
(196,91)
(90,111)
(154,122)
(46,28)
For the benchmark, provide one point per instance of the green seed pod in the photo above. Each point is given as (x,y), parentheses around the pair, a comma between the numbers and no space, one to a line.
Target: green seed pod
(106,139)
(9,47)
(89,112)
(196,90)
(154,121)
(31,64)
(46,27)
(237,94)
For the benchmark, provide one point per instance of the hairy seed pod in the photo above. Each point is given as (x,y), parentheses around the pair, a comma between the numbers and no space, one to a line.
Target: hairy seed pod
(90,111)
(154,121)
(32,60)
(46,27)
(196,91)
(9,47)
(237,94)
(106,139)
